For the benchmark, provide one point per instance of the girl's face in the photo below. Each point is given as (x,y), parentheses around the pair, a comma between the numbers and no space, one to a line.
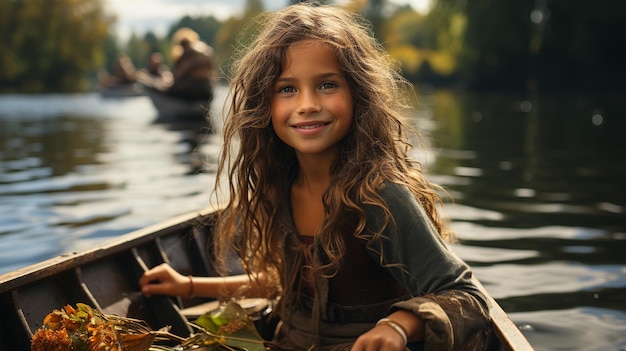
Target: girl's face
(311,102)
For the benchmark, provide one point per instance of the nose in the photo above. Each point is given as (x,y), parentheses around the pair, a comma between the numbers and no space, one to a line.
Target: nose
(308,102)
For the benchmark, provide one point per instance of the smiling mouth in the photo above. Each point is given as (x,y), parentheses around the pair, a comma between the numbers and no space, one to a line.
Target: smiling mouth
(311,126)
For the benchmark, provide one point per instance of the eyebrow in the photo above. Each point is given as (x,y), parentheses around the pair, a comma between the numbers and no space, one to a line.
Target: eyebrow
(319,76)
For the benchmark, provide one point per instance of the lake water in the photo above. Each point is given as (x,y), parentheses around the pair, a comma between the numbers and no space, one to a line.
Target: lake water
(537,188)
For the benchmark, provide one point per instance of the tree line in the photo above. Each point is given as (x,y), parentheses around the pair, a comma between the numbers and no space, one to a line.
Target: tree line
(524,45)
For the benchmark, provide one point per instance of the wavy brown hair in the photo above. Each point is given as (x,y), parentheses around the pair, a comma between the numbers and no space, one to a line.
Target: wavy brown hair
(257,164)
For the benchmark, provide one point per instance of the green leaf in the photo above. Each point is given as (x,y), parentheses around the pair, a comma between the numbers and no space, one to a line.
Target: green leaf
(237,327)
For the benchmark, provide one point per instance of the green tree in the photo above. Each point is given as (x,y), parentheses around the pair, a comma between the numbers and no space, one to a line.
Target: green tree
(428,46)
(496,44)
(374,13)
(137,49)
(51,45)
(253,8)
(236,32)
(402,39)
(110,49)
(545,45)
(580,45)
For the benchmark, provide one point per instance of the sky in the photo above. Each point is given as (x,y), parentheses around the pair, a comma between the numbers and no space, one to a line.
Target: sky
(139,16)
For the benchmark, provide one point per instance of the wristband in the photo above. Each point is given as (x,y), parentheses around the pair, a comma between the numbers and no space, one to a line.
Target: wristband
(397,327)
(190,294)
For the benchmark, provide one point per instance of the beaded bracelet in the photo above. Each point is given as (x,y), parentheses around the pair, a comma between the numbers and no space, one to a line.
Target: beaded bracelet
(190,295)
(397,327)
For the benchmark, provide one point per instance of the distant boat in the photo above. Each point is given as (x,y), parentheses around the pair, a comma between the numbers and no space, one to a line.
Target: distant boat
(122,90)
(175,109)
(106,278)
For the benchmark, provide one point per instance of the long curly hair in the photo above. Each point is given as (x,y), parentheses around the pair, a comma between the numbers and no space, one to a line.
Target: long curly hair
(257,164)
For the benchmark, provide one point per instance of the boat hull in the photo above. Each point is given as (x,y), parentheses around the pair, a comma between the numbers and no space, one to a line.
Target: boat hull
(122,91)
(171,108)
(107,278)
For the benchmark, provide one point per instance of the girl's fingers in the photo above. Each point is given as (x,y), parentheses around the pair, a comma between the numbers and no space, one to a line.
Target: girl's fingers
(158,280)
(159,289)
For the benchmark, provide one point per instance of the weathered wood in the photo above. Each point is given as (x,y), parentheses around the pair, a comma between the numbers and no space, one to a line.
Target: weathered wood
(508,334)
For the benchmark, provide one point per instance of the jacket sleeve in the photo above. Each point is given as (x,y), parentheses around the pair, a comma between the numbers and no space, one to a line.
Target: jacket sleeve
(443,292)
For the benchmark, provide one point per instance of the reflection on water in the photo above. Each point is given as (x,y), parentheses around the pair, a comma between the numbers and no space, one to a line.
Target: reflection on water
(78,169)
(536,182)
(539,206)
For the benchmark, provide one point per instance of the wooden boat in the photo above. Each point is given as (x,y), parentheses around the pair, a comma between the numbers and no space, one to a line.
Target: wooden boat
(171,108)
(107,278)
(122,91)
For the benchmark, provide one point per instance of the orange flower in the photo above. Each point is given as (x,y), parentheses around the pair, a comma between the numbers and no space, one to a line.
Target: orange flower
(48,340)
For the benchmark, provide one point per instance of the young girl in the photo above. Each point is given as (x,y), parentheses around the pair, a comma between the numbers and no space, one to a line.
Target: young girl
(326,209)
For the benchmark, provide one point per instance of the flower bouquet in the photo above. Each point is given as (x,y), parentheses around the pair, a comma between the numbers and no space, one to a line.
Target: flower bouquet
(84,328)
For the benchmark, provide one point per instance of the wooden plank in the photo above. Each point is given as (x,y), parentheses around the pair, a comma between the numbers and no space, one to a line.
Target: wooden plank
(511,338)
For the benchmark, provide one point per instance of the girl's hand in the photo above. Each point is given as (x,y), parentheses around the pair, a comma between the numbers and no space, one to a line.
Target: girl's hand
(164,280)
(392,333)
(380,338)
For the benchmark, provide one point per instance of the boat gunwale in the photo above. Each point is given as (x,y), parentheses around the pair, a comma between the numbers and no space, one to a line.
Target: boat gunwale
(38,271)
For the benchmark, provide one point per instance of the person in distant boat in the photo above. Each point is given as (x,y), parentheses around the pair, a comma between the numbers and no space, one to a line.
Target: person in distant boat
(325,207)
(193,69)
(123,72)
(157,74)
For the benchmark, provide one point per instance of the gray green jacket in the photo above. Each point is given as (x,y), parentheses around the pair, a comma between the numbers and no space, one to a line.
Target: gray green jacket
(409,267)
